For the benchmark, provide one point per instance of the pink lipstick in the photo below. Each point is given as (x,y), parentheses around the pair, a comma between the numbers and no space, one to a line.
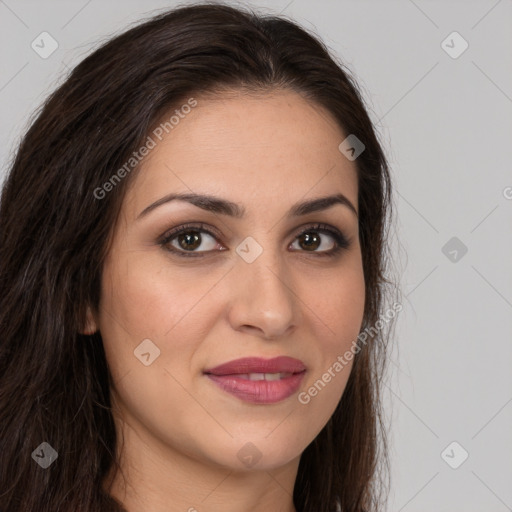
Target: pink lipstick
(257,380)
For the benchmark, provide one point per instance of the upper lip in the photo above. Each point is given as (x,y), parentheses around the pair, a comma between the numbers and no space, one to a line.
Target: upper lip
(281,364)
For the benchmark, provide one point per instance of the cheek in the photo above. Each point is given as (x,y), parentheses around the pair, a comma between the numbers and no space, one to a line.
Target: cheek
(345,317)
(147,298)
(338,303)
(338,306)
(144,298)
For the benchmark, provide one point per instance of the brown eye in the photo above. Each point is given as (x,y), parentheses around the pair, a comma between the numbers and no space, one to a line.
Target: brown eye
(318,240)
(189,241)
(310,241)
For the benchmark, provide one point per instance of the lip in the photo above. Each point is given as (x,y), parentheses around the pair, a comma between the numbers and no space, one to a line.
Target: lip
(282,364)
(231,377)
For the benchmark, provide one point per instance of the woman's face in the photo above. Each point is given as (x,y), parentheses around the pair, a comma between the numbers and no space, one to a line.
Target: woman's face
(234,286)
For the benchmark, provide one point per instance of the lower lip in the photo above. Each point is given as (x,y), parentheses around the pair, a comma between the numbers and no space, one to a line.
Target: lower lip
(259,391)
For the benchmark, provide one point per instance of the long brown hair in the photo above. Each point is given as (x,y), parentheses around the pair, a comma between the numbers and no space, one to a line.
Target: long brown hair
(55,233)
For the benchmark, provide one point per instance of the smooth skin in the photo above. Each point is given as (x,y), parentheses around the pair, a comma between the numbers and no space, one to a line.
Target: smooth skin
(182,433)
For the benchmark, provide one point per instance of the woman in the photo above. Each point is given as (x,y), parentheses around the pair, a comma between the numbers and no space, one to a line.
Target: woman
(192,242)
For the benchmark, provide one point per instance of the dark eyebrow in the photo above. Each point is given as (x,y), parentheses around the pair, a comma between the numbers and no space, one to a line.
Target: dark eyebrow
(321,203)
(217,205)
(206,202)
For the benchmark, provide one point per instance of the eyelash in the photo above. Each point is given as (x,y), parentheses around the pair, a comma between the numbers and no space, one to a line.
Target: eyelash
(341,242)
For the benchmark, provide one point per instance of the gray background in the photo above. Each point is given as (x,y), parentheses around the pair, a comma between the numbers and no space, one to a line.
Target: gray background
(446,124)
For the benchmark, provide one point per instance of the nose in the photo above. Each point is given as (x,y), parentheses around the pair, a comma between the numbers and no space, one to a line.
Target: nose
(263,303)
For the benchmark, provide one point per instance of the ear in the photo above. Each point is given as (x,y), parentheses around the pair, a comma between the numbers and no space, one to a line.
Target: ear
(90,323)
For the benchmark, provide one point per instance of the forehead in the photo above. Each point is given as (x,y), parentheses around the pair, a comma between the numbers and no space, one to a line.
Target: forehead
(275,145)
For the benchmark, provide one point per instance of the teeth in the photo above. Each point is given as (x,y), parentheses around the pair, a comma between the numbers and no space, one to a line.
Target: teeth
(273,376)
(264,376)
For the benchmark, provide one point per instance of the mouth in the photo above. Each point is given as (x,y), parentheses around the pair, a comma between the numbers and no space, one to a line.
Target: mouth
(257,380)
